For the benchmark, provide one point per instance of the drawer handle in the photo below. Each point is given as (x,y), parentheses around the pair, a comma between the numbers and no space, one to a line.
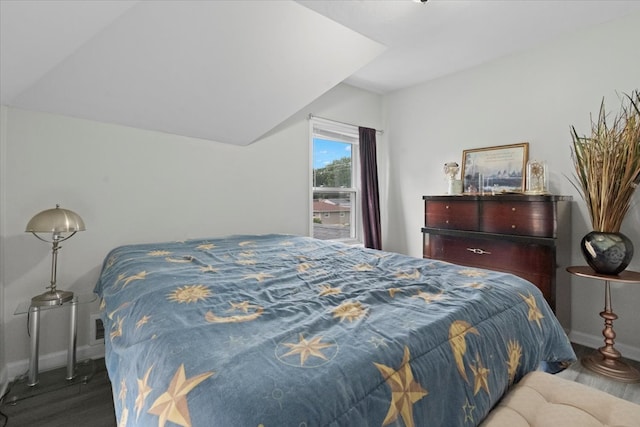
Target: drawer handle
(479,251)
(446,207)
(513,209)
(513,226)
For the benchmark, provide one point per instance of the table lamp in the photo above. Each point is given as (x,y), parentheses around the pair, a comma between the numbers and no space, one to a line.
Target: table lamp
(62,224)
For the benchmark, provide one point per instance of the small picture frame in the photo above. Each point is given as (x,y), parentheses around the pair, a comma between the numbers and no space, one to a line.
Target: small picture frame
(494,170)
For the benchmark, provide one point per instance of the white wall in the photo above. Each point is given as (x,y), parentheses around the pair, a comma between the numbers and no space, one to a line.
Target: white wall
(533,96)
(132,185)
(3,364)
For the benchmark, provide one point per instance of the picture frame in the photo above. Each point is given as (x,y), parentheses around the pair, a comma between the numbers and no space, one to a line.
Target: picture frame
(496,169)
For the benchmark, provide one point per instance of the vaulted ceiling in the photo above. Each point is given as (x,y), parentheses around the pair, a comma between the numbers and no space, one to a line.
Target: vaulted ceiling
(231,71)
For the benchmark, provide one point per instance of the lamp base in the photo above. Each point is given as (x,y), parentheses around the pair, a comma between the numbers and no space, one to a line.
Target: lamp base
(55,297)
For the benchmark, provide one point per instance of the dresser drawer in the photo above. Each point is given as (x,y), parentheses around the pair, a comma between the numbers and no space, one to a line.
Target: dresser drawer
(524,219)
(459,215)
(533,262)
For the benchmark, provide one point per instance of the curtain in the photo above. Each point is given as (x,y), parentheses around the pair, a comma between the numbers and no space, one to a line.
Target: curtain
(369,184)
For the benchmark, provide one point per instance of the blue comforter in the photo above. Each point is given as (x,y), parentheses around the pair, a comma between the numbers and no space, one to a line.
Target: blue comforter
(280,330)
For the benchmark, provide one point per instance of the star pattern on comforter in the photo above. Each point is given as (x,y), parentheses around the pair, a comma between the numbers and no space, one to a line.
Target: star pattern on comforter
(240,313)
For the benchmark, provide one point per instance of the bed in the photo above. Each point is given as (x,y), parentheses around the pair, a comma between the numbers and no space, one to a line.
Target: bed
(280,330)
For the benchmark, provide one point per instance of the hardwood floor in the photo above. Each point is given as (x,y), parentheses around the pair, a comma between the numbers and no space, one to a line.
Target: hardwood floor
(580,374)
(90,404)
(82,403)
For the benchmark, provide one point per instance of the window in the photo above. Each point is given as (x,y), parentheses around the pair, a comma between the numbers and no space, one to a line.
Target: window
(335,180)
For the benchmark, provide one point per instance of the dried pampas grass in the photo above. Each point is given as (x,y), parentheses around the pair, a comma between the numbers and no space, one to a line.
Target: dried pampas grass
(607,164)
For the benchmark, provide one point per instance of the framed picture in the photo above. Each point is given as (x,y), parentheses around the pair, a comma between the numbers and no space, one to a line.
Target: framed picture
(497,169)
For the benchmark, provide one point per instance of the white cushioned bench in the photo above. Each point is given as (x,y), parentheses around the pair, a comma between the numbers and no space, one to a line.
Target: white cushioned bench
(544,400)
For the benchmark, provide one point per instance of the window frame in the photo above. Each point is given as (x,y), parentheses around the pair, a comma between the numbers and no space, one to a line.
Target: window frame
(342,133)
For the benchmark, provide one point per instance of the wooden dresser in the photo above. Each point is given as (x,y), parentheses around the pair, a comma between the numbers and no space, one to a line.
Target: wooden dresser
(529,236)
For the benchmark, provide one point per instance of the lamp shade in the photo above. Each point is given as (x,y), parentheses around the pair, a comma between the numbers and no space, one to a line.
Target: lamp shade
(56,220)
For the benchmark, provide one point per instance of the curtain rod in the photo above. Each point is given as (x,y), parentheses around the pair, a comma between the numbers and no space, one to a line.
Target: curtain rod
(311,116)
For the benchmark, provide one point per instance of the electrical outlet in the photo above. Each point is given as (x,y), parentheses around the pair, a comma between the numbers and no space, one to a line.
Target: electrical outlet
(96,330)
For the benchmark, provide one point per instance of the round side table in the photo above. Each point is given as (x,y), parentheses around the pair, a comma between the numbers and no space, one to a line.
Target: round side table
(607,360)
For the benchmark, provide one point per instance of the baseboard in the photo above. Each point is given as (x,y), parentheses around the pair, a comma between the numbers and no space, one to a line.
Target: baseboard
(593,341)
(55,360)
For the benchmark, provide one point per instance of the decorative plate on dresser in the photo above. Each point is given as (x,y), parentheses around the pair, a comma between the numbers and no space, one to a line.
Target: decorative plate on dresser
(527,235)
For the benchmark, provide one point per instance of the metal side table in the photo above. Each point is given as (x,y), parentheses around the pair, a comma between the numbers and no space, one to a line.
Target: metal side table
(31,385)
(607,360)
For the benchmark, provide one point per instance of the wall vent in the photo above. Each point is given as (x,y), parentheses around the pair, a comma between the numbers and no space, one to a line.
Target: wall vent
(96,330)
